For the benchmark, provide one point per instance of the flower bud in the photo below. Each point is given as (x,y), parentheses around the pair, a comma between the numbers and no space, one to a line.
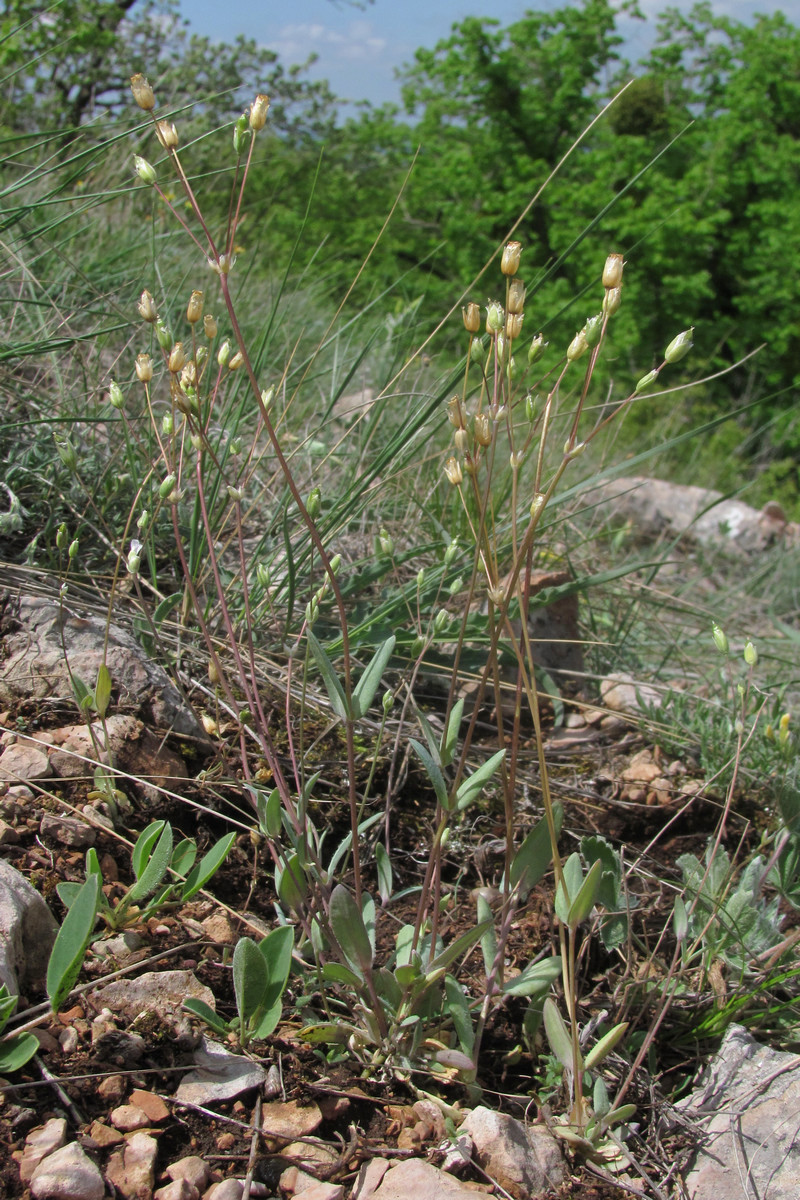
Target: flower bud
(461,439)
(750,654)
(144,367)
(612,271)
(147,307)
(142,93)
(258,112)
(335,563)
(177,358)
(509,263)
(495,317)
(574,451)
(115,396)
(194,309)
(66,452)
(213,672)
(314,503)
(720,640)
(210,326)
(451,552)
(241,135)
(143,519)
(235,361)
(454,414)
(577,347)
(74,546)
(452,469)
(134,557)
(167,424)
(537,504)
(532,405)
(387,703)
(417,646)
(456,586)
(645,381)
(483,429)
(472,317)
(263,575)
(441,620)
(167,134)
(516,458)
(267,396)
(420,577)
(224,353)
(679,347)
(61,536)
(611,302)
(516,297)
(163,335)
(188,379)
(235,446)
(514,325)
(143,169)
(592,330)
(235,493)
(500,346)
(477,352)
(166,486)
(536,349)
(385,543)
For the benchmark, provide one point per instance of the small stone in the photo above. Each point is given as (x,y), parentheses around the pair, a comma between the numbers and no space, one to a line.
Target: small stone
(226,1189)
(22,762)
(8,834)
(220,1076)
(112,1088)
(458,1154)
(103,1135)
(39,1143)
(179,1189)
(151,1105)
(120,947)
(369,1178)
(622,693)
(159,992)
(333,1108)
(226,1141)
(524,1159)
(129,1117)
(423,1181)
(288,1120)
(66,831)
(321,1190)
(132,1170)
(192,1168)
(218,928)
(67,1174)
(68,1039)
(309,1154)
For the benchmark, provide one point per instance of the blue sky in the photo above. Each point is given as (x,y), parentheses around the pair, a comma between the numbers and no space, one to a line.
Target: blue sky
(360,48)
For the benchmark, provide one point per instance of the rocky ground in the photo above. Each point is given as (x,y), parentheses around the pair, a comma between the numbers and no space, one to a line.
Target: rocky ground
(128,1097)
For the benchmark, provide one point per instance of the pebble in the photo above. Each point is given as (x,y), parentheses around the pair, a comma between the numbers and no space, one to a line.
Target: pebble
(67,1174)
(192,1168)
(39,1143)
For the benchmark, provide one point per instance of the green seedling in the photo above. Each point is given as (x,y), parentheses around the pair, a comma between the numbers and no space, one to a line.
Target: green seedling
(153,859)
(260,975)
(15,1048)
(69,949)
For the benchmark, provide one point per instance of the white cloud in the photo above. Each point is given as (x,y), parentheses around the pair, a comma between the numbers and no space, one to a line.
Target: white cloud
(359,43)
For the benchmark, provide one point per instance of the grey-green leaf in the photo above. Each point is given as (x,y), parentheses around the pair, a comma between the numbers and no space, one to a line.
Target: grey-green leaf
(450,735)
(369,682)
(249,978)
(434,772)
(469,789)
(208,865)
(535,979)
(583,903)
(102,691)
(156,869)
(329,677)
(350,931)
(66,957)
(557,1034)
(535,854)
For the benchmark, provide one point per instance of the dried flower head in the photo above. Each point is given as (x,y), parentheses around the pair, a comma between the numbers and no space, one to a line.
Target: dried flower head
(147,308)
(144,367)
(258,112)
(194,309)
(472,317)
(452,469)
(612,271)
(167,134)
(142,93)
(509,263)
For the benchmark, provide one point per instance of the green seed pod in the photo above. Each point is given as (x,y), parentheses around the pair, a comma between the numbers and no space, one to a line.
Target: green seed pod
(441,620)
(115,396)
(451,552)
(241,135)
(750,654)
(66,452)
(385,543)
(720,640)
(167,485)
(314,503)
(61,536)
(679,347)
(387,702)
(73,548)
(495,317)
(592,330)
(143,169)
(163,335)
(263,575)
(536,349)
(645,381)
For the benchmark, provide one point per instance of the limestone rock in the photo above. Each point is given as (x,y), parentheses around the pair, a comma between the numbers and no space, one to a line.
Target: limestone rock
(134,749)
(132,1170)
(622,693)
(27,932)
(748,1103)
(288,1120)
(156,992)
(420,1179)
(33,665)
(39,1143)
(66,831)
(67,1174)
(220,1075)
(23,761)
(523,1159)
(192,1168)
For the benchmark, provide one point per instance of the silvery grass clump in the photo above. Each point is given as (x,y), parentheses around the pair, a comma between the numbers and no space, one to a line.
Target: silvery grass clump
(517,427)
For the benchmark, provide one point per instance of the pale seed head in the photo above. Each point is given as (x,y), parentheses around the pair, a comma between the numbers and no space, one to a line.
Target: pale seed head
(142,92)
